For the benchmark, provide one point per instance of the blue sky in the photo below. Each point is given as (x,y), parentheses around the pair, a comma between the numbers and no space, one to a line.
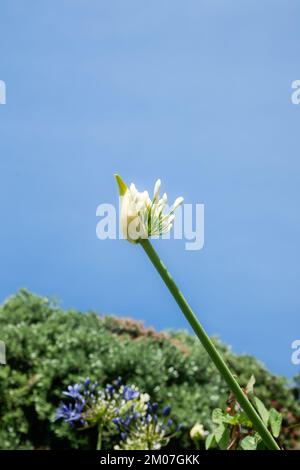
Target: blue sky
(197,93)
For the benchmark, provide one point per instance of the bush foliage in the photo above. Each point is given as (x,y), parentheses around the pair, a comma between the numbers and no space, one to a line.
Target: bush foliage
(48,348)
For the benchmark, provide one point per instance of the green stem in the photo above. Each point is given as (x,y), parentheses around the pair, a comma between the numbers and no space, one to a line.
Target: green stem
(99,440)
(210,348)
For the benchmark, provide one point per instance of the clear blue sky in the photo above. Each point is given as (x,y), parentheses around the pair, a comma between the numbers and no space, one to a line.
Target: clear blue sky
(197,93)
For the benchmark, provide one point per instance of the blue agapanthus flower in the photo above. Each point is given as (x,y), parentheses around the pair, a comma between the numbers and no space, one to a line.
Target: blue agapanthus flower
(152,407)
(166,411)
(117,421)
(70,413)
(73,391)
(79,394)
(118,382)
(129,393)
(87,382)
(110,389)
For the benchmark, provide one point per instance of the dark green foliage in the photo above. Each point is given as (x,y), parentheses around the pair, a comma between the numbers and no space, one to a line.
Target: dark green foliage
(47,349)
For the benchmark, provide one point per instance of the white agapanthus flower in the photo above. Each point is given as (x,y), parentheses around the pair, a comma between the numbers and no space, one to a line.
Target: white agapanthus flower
(198,432)
(142,217)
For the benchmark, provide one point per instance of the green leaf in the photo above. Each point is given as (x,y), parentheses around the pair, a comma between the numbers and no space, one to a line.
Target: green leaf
(244,420)
(219,431)
(224,441)
(275,421)
(229,419)
(262,410)
(217,416)
(249,443)
(210,441)
(250,384)
(261,445)
(222,436)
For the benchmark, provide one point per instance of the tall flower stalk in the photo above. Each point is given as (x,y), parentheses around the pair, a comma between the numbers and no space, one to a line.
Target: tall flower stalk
(136,210)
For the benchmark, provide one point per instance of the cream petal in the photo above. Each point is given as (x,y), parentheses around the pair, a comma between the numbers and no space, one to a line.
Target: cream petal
(177,203)
(156,189)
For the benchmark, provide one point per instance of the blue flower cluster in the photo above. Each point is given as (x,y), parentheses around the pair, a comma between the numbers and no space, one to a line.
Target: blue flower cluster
(80,394)
(84,396)
(117,407)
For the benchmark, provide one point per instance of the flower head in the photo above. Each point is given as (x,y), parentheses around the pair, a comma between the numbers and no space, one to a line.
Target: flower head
(142,217)
(198,432)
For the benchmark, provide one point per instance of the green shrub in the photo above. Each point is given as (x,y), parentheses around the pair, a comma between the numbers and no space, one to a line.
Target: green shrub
(48,348)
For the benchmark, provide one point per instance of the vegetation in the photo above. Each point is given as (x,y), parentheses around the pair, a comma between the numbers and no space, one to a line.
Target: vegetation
(232,429)
(48,349)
